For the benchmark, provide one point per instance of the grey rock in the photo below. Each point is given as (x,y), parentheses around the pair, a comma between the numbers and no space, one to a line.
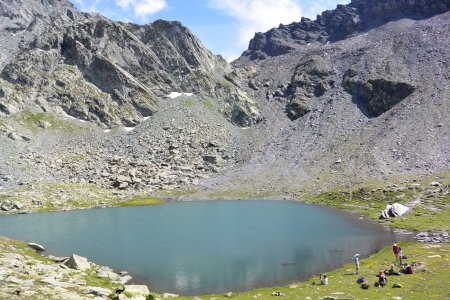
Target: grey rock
(136,290)
(125,279)
(44,124)
(14,136)
(169,295)
(97,291)
(36,247)
(78,263)
(212,159)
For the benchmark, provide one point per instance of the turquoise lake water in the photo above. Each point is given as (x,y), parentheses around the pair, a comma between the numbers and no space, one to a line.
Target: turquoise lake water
(194,248)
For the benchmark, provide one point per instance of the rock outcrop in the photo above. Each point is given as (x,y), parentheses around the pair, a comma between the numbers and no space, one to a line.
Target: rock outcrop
(107,72)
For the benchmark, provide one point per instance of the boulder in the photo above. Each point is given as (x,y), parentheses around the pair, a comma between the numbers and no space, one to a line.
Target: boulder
(97,291)
(57,259)
(212,159)
(136,290)
(78,263)
(169,295)
(36,247)
(125,279)
(6,206)
(43,124)
(394,210)
(14,136)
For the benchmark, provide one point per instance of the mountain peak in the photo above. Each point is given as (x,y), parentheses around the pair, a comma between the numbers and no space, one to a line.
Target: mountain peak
(337,24)
(110,73)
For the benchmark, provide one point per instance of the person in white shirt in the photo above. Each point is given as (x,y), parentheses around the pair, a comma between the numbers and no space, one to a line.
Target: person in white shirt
(324,279)
(356,258)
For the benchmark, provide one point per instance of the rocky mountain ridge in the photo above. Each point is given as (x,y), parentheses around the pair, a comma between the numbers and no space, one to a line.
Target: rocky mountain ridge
(340,23)
(110,73)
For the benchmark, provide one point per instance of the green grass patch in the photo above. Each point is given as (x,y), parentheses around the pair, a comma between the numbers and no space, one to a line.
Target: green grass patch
(187,102)
(11,245)
(92,280)
(141,200)
(76,158)
(31,121)
(209,104)
(431,211)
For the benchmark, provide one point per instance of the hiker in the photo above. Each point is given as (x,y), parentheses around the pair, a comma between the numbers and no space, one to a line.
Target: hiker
(392,271)
(395,248)
(382,279)
(400,255)
(356,258)
(324,279)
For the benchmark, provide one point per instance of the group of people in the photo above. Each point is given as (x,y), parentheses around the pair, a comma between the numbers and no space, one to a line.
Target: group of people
(382,275)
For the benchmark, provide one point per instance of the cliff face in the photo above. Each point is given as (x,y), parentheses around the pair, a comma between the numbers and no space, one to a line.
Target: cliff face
(360,92)
(337,24)
(106,72)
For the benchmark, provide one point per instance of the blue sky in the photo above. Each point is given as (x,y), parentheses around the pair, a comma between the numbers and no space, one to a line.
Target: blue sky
(224,26)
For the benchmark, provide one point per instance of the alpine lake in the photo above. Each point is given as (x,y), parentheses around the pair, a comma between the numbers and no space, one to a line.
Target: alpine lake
(200,247)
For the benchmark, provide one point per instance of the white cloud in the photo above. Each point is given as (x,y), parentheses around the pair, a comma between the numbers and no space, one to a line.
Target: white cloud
(88,7)
(312,9)
(148,7)
(124,3)
(259,15)
(143,8)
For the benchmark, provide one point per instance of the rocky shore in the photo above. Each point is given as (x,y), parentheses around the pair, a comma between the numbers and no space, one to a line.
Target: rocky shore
(25,274)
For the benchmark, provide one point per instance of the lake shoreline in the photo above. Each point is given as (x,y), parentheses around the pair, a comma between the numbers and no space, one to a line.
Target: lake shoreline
(378,238)
(410,218)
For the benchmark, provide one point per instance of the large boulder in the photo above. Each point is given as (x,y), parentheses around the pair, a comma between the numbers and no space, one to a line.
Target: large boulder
(78,263)
(36,247)
(136,290)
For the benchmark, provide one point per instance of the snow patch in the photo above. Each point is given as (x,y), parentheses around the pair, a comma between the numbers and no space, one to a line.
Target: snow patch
(73,118)
(128,129)
(107,130)
(174,95)
(145,118)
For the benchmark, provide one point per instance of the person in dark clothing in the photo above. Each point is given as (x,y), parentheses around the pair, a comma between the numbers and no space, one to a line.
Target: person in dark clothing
(396,249)
(382,279)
